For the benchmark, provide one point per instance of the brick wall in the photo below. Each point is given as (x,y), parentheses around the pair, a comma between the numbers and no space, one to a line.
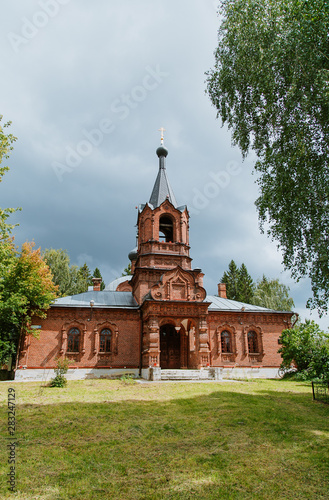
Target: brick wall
(268,328)
(125,326)
(52,341)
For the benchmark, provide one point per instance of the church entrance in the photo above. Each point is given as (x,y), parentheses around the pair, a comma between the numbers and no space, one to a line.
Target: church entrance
(169,347)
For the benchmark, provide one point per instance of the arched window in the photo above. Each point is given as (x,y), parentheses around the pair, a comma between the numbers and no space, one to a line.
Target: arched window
(166,229)
(105,340)
(252,342)
(73,340)
(225,338)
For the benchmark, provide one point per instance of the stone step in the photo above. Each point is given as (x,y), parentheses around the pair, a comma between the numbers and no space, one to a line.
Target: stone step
(186,375)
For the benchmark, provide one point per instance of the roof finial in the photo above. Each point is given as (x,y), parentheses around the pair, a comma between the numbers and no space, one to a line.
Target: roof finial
(162,130)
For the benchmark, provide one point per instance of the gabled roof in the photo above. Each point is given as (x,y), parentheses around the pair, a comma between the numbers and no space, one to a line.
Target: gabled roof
(107,299)
(220,304)
(125,300)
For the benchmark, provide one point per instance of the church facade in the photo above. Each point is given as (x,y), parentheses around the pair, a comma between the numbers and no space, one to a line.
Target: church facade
(159,322)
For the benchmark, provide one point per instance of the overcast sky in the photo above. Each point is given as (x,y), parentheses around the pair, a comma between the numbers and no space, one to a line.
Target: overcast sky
(87,85)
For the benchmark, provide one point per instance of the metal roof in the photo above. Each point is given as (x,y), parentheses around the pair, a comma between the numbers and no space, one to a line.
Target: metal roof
(106,298)
(220,304)
(125,300)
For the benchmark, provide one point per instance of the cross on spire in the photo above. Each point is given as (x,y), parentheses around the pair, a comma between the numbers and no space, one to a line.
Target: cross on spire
(162,130)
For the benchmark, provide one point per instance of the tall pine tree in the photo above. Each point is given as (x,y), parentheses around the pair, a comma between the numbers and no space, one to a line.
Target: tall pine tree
(239,284)
(245,285)
(231,279)
(97,274)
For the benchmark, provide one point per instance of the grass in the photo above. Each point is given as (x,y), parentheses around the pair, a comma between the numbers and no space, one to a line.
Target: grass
(103,439)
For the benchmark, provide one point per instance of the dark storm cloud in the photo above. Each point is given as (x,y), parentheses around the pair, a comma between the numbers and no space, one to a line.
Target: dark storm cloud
(87,86)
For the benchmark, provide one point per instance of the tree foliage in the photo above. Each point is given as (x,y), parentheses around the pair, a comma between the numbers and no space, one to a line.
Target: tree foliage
(84,279)
(127,270)
(26,291)
(6,141)
(307,348)
(245,285)
(59,264)
(265,292)
(26,287)
(272,294)
(97,274)
(70,279)
(62,367)
(239,284)
(270,84)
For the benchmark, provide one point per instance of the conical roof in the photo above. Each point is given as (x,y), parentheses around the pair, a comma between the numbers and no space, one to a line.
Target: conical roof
(162,189)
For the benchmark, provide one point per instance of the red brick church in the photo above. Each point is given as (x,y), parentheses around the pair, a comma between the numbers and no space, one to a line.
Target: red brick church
(158,323)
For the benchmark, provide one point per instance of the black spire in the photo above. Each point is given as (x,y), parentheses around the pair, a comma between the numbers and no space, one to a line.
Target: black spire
(162,189)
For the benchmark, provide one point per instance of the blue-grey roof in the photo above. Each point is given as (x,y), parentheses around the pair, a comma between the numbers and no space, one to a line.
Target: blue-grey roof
(125,300)
(109,299)
(111,287)
(220,304)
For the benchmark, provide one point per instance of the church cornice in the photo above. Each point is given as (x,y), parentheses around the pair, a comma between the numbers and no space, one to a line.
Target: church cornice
(166,254)
(174,308)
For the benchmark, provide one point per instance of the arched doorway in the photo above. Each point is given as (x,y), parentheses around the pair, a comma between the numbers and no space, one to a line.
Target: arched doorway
(169,347)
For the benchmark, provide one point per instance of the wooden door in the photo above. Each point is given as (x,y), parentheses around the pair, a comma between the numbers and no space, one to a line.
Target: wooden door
(169,347)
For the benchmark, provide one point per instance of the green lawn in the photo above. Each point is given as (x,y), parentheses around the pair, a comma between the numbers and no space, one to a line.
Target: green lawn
(103,439)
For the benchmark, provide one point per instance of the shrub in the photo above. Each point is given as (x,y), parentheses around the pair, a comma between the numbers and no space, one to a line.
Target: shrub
(127,379)
(60,370)
(307,347)
(58,381)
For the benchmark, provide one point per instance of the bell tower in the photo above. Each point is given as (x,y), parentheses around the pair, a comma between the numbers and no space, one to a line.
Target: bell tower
(170,293)
(163,234)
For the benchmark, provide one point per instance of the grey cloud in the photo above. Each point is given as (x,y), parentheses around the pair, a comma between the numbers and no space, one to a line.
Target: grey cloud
(78,70)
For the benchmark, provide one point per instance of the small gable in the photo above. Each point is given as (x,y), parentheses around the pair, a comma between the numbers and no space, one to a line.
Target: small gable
(178,284)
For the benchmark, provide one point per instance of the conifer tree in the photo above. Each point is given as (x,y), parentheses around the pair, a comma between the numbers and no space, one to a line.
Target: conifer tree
(231,279)
(245,285)
(127,270)
(97,274)
(84,279)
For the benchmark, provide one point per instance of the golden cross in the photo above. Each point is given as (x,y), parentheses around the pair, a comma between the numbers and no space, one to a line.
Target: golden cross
(162,130)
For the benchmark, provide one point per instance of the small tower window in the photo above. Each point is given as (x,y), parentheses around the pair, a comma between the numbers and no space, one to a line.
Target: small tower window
(166,229)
